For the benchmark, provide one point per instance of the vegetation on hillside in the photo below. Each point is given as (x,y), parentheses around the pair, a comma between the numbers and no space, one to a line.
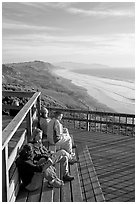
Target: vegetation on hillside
(56,91)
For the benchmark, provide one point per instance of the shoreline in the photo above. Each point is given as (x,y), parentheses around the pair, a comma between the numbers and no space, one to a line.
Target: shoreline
(61,88)
(112,101)
(90,102)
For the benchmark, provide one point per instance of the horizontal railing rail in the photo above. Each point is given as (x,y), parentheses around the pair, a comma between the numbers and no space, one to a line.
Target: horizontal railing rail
(18,93)
(92,112)
(9,131)
(117,123)
(26,116)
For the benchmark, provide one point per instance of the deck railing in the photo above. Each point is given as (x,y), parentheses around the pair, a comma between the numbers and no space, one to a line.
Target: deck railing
(116,123)
(26,115)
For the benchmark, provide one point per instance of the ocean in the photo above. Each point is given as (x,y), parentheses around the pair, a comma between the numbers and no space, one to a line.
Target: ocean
(113,87)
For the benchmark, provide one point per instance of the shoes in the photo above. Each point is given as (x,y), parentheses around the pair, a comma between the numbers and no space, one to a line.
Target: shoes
(60,181)
(73,161)
(72,154)
(57,183)
(74,146)
(67,177)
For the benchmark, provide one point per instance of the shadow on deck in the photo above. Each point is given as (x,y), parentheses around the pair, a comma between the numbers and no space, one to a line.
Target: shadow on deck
(113,157)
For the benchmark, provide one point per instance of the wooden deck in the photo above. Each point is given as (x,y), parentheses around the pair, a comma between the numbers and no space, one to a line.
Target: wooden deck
(106,167)
(113,157)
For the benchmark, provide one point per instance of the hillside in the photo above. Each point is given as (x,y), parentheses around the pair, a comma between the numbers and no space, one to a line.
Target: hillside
(56,91)
(37,76)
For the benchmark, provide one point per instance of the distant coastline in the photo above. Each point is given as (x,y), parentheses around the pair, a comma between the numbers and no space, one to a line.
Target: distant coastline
(56,90)
(67,89)
(124,74)
(88,101)
(114,94)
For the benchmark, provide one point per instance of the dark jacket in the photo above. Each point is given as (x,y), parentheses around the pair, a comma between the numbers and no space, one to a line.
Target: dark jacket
(27,169)
(39,151)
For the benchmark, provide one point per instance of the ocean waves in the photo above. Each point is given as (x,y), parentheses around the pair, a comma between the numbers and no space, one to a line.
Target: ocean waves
(118,95)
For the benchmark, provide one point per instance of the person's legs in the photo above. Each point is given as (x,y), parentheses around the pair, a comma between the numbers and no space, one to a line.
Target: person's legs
(53,180)
(62,156)
(65,143)
(64,163)
(57,156)
(65,171)
(49,173)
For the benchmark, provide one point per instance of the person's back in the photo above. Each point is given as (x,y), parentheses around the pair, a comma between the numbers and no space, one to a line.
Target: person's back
(50,131)
(44,125)
(44,120)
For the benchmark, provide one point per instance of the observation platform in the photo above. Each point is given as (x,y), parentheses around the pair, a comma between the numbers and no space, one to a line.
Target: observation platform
(106,165)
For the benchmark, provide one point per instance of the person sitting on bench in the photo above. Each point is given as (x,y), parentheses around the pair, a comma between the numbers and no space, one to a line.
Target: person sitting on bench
(32,173)
(58,135)
(62,156)
(44,120)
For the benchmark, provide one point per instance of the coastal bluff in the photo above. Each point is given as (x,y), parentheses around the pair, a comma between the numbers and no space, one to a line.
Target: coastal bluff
(56,91)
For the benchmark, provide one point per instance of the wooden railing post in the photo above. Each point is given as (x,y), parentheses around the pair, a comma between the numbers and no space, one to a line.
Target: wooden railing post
(38,105)
(5,175)
(133,126)
(106,123)
(29,125)
(87,128)
(126,126)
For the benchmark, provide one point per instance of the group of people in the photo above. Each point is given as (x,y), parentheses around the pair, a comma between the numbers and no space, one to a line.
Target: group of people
(36,162)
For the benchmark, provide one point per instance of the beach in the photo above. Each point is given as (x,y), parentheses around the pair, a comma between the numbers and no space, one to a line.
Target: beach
(118,95)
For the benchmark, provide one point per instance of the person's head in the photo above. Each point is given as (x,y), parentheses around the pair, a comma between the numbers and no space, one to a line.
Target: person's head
(15,102)
(44,112)
(27,152)
(37,135)
(58,115)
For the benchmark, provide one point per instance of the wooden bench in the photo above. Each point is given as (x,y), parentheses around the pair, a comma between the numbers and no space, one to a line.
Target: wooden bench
(70,192)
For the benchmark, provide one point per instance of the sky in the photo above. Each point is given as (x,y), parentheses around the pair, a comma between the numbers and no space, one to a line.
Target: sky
(91,32)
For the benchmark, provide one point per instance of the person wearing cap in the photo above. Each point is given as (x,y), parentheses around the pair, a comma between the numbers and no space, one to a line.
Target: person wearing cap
(58,135)
(44,120)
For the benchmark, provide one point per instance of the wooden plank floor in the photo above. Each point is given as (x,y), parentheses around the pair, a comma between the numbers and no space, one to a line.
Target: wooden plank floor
(113,157)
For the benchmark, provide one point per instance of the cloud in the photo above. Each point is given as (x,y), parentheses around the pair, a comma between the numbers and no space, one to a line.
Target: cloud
(44,5)
(108,49)
(101,13)
(18,26)
(109,43)
(100,10)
